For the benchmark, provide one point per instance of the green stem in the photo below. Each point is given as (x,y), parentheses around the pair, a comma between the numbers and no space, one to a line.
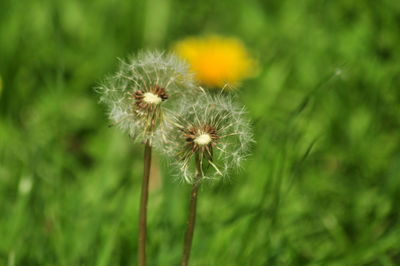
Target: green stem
(187,246)
(143,206)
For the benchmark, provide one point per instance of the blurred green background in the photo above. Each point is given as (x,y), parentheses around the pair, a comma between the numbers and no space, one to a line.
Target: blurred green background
(321,188)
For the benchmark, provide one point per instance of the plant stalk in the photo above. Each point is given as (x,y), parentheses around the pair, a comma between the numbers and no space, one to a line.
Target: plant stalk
(187,246)
(143,206)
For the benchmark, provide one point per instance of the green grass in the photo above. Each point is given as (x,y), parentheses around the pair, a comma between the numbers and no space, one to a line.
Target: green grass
(321,188)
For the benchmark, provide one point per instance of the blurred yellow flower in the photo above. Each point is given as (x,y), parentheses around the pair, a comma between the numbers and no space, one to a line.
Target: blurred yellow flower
(216,61)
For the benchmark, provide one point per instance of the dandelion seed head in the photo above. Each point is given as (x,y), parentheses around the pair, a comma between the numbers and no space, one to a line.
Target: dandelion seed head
(143,90)
(216,129)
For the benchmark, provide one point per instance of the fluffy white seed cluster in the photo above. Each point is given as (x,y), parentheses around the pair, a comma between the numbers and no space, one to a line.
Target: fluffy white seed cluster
(143,89)
(214,127)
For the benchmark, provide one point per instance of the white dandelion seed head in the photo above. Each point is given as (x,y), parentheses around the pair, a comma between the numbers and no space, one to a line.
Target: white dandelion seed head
(214,127)
(143,89)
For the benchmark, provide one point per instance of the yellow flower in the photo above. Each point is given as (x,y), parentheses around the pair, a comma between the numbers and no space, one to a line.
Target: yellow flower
(216,61)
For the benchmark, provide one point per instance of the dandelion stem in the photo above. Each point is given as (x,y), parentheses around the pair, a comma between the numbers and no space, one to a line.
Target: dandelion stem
(143,206)
(187,246)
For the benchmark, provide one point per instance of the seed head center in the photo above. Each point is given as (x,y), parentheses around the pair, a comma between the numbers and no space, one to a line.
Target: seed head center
(151,98)
(203,139)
